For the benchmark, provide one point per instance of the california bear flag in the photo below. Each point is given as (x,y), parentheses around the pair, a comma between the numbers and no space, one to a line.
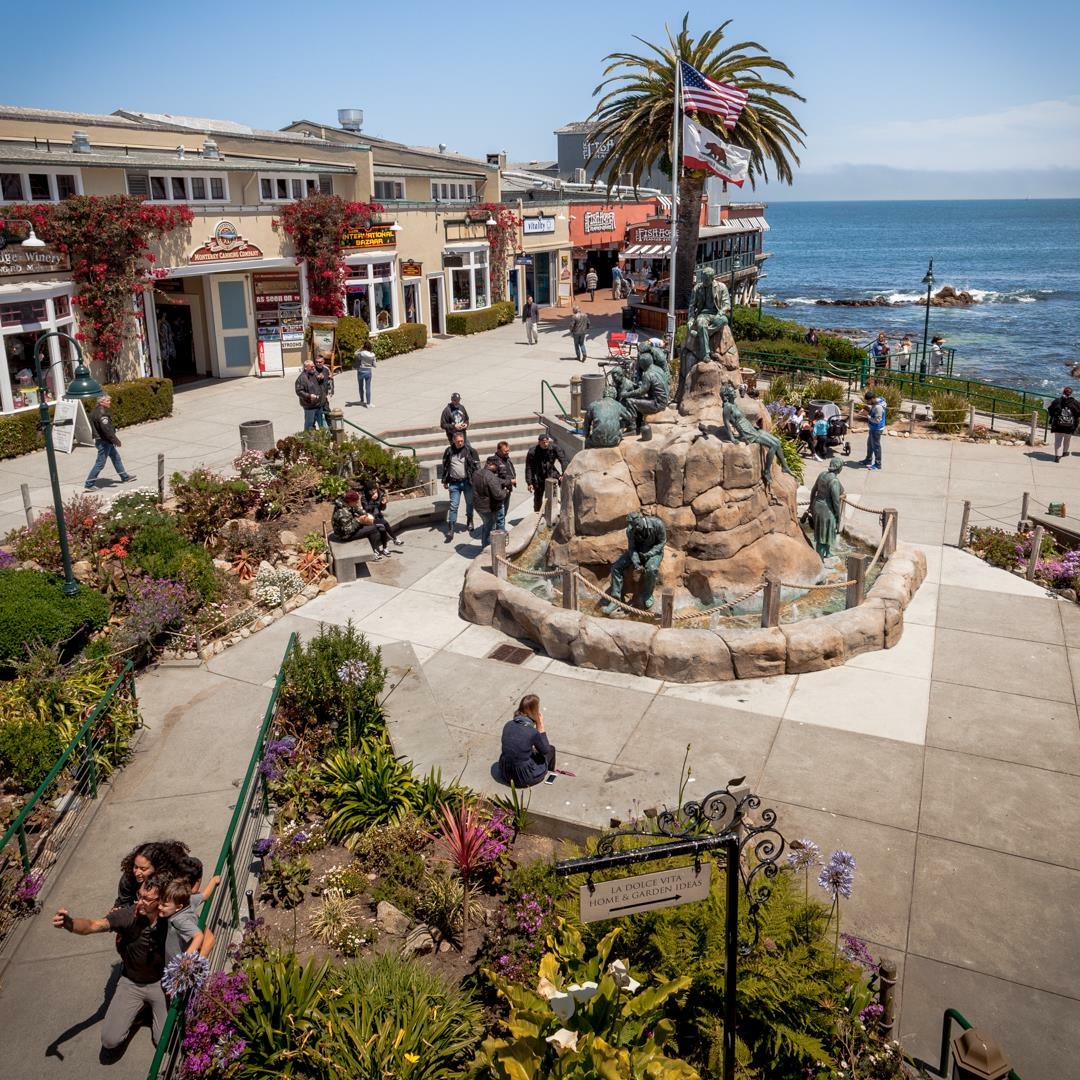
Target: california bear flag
(704,150)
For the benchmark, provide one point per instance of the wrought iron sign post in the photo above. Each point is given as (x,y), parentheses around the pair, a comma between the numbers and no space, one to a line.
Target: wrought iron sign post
(716,822)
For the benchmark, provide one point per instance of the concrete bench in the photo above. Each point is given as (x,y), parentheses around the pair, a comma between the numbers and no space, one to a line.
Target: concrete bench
(346,556)
(1065,529)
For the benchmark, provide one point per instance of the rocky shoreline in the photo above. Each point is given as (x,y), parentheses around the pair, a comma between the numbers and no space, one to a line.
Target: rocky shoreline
(947,296)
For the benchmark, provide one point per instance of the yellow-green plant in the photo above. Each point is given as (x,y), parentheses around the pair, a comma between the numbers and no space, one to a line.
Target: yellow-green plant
(950,412)
(586,1018)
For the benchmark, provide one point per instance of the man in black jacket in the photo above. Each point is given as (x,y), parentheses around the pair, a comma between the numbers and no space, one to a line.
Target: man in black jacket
(107,443)
(309,392)
(489,491)
(544,460)
(454,418)
(459,463)
(508,475)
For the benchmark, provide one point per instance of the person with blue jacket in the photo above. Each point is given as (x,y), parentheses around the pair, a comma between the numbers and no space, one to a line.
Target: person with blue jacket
(875,421)
(527,756)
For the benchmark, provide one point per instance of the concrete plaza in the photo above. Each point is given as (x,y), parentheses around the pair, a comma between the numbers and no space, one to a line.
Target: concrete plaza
(949,766)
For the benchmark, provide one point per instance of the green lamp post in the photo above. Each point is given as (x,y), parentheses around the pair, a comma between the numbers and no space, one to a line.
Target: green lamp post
(928,281)
(736,266)
(84,385)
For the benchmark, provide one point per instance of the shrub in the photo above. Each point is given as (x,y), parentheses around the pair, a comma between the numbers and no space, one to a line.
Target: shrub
(377,848)
(33,608)
(825,390)
(950,411)
(366,787)
(130,513)
(406,338)
(274,587)
(162,551)
(153,605)
(206,501)
(474,322)
(893,400)
(40,542)
(794,461)
(132,403)
(779,391)
(28,750)
(785,347)
(351,335)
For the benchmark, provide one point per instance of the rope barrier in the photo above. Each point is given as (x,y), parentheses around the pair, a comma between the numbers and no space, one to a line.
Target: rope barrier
(628,608)
(557,572)
(864,509)
(689,616)
(880,547)
(998,506)
(816,588)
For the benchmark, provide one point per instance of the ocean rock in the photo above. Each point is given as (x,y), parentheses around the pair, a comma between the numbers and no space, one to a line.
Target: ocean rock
(950,297)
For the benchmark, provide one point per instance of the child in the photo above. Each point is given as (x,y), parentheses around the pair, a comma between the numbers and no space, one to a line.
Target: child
(190,870)
(184,934)
(821,436)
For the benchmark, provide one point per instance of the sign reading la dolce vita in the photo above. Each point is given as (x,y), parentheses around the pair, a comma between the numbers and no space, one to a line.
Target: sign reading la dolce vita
(225,245)
(372,237)
(16,260)
(534,225)
(599,221)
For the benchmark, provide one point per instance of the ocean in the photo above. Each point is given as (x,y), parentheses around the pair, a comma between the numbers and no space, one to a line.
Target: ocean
(1019,258)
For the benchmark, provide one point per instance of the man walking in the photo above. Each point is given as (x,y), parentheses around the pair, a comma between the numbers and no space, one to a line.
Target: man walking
(489,494)
(875,421)
(508,475)
(364,359)
(545,460)
(140,940)
(579,327)
(616,282)
(591,283)
(530,316)
(459,463)
(309,393)
(107,443)
(454,418)
(1064,412)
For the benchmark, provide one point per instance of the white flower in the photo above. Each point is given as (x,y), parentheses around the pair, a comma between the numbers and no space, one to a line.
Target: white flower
(546,988)
(582,993)
(563,1041)
(618,970)
(561,1004)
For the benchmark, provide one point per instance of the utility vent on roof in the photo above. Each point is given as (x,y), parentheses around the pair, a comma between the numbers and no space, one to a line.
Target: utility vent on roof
(210,149)
(510,654)
(80,142)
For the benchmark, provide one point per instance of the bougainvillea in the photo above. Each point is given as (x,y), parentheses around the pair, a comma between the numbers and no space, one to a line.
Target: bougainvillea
(316,226)
(108,241)
(502,236)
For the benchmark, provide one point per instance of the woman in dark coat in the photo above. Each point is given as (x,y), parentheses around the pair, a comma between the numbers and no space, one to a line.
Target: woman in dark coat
(374,503)
(1064,413)
(526,756)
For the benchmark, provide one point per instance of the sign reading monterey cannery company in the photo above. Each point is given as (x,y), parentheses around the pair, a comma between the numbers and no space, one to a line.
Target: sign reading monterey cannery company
(225,245)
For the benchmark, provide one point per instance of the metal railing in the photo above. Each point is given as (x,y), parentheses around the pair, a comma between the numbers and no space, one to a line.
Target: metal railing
(223,912)
(379,439)
(545,385)
(783,364)
(40,829)
(948,1018)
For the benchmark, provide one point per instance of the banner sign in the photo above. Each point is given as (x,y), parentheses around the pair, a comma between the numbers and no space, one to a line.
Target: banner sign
(411,268)
(226,245)
(16,260)
(651,232)
(374,236)
(599,221)
(536,225)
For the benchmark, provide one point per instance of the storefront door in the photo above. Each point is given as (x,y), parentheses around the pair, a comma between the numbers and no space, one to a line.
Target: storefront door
(538,279)
(435,303)
(233,326)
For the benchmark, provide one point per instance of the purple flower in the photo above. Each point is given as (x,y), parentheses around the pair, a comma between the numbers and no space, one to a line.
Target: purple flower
(276,754)
(871,1013)
(7,559)
(838,875)
(805,855)
(262,847)
(353,672)
(27,890)
(855,949)
(184,973)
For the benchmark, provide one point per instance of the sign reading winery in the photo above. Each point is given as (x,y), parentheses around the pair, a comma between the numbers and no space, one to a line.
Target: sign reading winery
(19,260)
(226,245)
(374,236)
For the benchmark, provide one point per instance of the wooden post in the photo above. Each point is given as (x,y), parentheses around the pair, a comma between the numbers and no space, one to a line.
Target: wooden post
(856,572)
(1033,558)
(569,587)
(971,421)
(850,413)
(1034,429)
(770,601)
(551,490)
(1023,511)
(911,417)
(962,543)
(667,608)
(27,505)
(498,553)
(575,396)
(887,995)
(160,478)
(891,524)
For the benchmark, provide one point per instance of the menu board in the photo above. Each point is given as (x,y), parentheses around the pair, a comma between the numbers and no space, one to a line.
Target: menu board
(278,310)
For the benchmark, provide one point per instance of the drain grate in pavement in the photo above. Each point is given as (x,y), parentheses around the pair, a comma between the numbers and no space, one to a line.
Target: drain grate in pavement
(510,654)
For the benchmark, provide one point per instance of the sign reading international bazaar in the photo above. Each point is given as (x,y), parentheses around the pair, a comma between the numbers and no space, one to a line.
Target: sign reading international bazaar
(375,236)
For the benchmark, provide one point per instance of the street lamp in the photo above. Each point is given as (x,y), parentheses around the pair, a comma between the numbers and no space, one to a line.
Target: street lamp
(84,385)
(928,281)
(736,266)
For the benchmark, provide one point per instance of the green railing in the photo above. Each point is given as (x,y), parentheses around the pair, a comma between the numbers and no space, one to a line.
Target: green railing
(545,385)
(947,1019)
(223,912)
(75,777)
(379,439)
(778,364)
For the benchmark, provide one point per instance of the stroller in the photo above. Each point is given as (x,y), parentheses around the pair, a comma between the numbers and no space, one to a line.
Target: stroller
(838,428)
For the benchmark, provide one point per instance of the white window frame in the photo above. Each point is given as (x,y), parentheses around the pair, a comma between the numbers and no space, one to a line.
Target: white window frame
(472,259)
(455,190)
(361,272)
(398,187)
(308,185)
(51,171)
(185,178)
(66,323)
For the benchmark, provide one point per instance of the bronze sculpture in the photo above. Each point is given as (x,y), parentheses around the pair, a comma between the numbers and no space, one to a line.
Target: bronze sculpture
(739,429)
(651,393)
(605,420)
(645,541)
(826,506)
(708,312)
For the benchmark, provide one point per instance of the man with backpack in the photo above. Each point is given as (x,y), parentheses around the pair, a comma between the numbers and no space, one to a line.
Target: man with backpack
(1064,413)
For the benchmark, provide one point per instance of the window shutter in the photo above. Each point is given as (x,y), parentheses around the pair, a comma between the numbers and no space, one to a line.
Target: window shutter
(138,183)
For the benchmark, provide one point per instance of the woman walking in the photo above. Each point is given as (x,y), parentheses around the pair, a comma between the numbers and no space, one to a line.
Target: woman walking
(527,756)
(530,316)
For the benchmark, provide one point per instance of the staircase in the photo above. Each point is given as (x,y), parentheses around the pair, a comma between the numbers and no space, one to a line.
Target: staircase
(430,442)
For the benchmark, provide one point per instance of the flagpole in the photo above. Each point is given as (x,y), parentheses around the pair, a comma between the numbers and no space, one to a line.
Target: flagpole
(676,169)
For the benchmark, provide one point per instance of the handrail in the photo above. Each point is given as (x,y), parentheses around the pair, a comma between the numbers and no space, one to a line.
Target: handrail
(225,858)
(545,384)
(947,1019)
(17,825)
(379,439)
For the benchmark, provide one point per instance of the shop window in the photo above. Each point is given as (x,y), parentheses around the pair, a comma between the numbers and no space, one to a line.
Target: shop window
(389,189)
(31,311)
(369,295)
(63,306)
(412,302)
(177,187)
(38,186)
(468,279)
(457,192)
(23,324)
(290,188)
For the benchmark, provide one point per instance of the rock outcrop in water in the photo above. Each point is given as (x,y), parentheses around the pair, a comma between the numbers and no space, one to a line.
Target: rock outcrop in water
(946,296)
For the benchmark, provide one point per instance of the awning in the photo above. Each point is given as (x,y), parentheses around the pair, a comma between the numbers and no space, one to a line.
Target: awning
(237,266)
(10,289)
(646,251)
(734,225)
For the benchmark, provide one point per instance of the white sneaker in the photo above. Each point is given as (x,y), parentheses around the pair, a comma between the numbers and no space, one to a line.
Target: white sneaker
(398,541)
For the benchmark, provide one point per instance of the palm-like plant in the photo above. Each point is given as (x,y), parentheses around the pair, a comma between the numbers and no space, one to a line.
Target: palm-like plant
(635,114)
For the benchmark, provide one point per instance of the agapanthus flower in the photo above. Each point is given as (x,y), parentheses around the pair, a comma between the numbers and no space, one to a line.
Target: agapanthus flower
(184,973)
(838,874)
(353,672)
(855,949)
(262,847)
(804,854)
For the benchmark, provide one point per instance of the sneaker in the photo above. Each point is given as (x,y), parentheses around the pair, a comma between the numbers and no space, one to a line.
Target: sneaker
(380,554)
(126,479)
(875,468)
(398,542)
(385,552)
(89,487)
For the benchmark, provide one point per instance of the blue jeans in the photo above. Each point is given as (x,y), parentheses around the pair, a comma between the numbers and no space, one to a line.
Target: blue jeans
(106,452)
(873,447)
(500,515)
(363,382)
(457,487)
(314,418)
(579,347)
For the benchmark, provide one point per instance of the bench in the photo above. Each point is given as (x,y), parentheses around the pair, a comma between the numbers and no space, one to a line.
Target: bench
(1066,529)
(347,555)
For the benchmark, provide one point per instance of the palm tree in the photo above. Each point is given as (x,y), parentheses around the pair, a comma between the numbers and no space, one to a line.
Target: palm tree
(635,115)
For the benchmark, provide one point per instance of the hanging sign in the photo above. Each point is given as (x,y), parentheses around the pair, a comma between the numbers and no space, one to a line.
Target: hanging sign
(523,260)
(541,224)
(657,231)
(374,236)
(226,245)
(411,268)
(599,221)
(645,892)
(17,261)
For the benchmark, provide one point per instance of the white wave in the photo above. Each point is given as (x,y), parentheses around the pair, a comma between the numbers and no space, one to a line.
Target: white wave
(904,298)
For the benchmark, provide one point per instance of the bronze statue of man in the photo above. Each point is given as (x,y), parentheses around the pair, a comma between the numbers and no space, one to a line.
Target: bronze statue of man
(826,506)
(605,420)
(709,310)
(654,348)
(739,429)
(645,540)
(651,393)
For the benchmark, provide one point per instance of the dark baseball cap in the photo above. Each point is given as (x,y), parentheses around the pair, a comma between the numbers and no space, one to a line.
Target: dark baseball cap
(455,397)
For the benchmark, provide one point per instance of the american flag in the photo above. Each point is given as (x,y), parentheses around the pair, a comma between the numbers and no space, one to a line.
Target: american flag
(707,95)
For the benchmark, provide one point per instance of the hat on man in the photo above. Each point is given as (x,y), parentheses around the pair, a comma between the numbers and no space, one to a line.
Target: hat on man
(455,397)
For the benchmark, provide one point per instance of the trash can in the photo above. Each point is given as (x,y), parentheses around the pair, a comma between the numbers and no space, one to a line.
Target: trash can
(629,318)
(257,435)
(592,389)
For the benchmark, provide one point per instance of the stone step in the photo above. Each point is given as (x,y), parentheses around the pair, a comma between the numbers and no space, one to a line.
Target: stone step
(411,435)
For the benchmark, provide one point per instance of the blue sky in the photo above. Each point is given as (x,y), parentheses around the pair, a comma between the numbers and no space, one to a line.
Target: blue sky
(917,98)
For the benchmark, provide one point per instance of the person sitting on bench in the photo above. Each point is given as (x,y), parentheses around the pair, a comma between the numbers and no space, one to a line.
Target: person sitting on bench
(351,523)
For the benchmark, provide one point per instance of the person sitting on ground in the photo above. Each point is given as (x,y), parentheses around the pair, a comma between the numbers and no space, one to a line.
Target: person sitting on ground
(373,501)
(527,756)
(821,436)
(350,523)
(153,857)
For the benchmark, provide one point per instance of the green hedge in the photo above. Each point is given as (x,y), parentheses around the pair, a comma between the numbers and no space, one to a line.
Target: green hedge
(132,403)
(475,322)
(351,335)
(748,328)
(405,338)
